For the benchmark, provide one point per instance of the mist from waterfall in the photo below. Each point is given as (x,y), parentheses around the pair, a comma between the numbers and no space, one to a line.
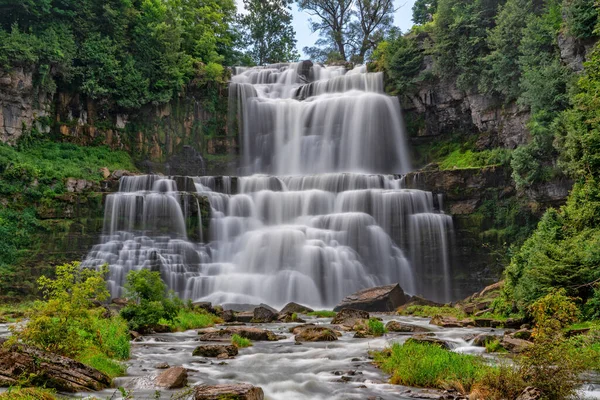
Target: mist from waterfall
(320,212)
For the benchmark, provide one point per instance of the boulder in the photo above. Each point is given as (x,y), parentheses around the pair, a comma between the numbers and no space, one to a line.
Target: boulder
(51,370)
(228,316)
(449,322)
(349,316)
(524,334)
(205,305)
(289,317)
(424,339)
(530,393)
(291,308)
(162,365)
(484,338)
(213,350)
(377,299)
(172,378)
(396,326)
(515,345)
(225,335)
(241,391)
(263,315)
(244,316)
(313,333)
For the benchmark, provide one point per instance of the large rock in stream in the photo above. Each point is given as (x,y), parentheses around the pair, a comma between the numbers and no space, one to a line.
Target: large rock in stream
(291,308)
(50,370)
(376,299)
(242,391)
(172,378)
(349,317)
(313,333)
(225,335)
(214,350)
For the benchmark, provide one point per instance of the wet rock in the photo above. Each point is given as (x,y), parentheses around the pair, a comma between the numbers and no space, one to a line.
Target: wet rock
(287,318)
(163,365)
(377,299)
(223,356)
(513,323)
(313,333)
(397,326)
(349,316)
(244,316)
(214,350)
(424,339)
(241,391)
(224,335)
(524,334)
(291,308)
(57,372)
(228,316)
(515,345)
(530,393)
(136,336)
(172,378)
(243,307)
(448,322)
(206,306)
(482,339)
(263,315)
(157,328)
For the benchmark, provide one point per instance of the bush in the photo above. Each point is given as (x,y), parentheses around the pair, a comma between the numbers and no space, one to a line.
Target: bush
(423,365)
(240,342)
(376,327)
(151,302)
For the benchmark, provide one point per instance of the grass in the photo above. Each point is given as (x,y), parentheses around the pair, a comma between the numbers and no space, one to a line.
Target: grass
(432,311)
(322,314)
(27,394)
(14,312)
(94,358)
(240,342)
(494,346)
(460,159)
(189,319)
(376,327)
(423,365)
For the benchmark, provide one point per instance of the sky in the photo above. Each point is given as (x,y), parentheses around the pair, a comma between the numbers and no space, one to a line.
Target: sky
(402,19)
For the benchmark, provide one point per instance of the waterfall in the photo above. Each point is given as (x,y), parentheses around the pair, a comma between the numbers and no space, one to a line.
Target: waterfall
(319,211)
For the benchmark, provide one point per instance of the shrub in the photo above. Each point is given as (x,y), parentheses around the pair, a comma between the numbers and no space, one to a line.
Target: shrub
(240,342)
(152,303)
(552,313)
(376,327)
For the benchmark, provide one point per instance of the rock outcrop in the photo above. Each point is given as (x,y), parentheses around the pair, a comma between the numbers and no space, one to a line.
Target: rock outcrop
(313,333)
(241,391)
(49,370)
(349,317)
(263,315)
(396,326)
(291,308)
(225,335)
(376,299)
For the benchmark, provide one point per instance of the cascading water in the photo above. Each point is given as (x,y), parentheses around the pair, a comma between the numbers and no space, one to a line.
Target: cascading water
(325,224)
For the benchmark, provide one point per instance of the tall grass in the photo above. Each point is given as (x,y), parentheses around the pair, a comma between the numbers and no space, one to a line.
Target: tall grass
(188,319)
(27,394)
(423,365)
(322,314)
(240,342)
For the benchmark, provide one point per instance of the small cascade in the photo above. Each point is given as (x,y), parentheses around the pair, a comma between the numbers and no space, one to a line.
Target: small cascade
(319,211)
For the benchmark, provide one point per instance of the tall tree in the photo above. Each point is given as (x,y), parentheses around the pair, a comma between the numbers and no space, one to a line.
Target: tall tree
(423,11)
(333,21)
(270,35)
(374,19)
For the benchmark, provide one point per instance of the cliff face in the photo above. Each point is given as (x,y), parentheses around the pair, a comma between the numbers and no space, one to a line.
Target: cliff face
(159,137)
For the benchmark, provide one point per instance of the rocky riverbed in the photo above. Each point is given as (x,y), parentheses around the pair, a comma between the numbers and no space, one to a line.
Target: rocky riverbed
(285,370)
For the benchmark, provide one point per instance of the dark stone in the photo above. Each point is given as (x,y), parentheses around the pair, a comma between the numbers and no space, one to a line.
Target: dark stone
(225,335)
(228,316)
(348,317)
(172,378)
(396,326)
(213,350)
(291,308)
(515,345)
(424,339)
(50,370)
(484,338)
(244,316)
(377,299)
(163,365)
(241,391)
(263,315)
(312,333)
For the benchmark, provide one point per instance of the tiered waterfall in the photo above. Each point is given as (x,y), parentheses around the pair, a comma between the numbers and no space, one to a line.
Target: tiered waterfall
(318,212)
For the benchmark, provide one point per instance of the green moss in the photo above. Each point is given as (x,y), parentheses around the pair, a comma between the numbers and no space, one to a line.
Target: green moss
(432,311)
(240,342)
(323,314)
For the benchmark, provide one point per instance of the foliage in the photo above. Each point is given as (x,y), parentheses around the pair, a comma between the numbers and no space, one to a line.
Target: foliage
(424,365)
(494,346)
(581,17)
(322,314)
(188,318)
(270,35)
(240,342)
(423,11)
(102,362)
(122,53)
(432,311)
(150,300)
(475,159)
(552,313)
(27,394)
(376,327)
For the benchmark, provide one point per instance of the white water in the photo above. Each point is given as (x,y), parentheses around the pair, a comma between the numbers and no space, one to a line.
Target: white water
(327,220)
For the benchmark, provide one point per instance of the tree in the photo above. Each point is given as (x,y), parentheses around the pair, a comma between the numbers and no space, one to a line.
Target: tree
(423,11)
(374,19)
(271,38)
(333,22)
